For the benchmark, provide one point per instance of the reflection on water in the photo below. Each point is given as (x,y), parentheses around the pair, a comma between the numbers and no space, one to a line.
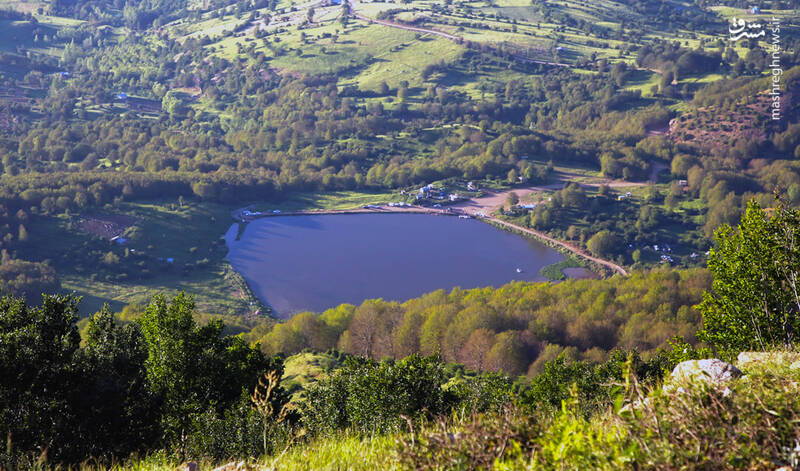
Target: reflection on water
(298,263)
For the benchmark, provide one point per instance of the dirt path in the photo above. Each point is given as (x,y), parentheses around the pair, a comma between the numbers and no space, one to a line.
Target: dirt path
(406,27)
(487,205)
(576,250)
(442,34)
(491,202)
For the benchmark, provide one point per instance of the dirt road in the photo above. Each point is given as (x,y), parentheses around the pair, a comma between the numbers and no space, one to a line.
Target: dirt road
(576,250)
(442,34)
(492,202)
(487,205)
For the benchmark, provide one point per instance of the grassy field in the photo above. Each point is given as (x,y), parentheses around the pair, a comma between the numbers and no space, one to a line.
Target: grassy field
(187,235)
(329,200)
(331,453)
(305,369)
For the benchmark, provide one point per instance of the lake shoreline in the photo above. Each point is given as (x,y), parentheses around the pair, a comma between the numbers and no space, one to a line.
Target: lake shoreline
(596,264)
(314,263)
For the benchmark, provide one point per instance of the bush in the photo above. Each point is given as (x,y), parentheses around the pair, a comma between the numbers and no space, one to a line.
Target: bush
(372,397)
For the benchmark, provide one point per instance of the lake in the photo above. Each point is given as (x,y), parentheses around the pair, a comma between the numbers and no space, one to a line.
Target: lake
(315,262)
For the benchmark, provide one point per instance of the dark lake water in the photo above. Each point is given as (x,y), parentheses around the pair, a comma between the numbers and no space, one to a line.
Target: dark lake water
(311,263)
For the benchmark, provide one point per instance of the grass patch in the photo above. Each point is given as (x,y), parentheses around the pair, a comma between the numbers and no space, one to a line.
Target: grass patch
(555,271)
(330,200)
(305,369)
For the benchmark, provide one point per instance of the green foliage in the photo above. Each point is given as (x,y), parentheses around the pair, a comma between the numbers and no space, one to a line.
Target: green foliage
(573,442)
(485,331)
(193,368)
(370,397)
(754,301)
(27,279)
(112,366)
(486,392)
(38,380)
(482,441)
(593,386)
(703,427)
(161,381)
(680,351)
(604,244)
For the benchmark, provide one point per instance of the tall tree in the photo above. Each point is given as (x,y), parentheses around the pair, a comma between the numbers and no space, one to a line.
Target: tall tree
(755,298)
(37,373)
(191,368)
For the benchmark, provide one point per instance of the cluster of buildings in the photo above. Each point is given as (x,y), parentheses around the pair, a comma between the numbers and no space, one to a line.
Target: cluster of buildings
(433,193)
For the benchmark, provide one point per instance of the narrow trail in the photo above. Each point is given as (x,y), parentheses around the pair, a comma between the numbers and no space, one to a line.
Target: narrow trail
(575,250)
(442,34)
(406,27)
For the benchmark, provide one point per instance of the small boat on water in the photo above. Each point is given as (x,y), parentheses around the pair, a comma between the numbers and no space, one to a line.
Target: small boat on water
(519,270)
(464,216)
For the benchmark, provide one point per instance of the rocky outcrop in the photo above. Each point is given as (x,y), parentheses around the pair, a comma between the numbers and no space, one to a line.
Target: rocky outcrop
(711,370)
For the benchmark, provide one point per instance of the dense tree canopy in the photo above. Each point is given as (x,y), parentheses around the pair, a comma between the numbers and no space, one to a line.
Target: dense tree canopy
(755,303)
(509,328)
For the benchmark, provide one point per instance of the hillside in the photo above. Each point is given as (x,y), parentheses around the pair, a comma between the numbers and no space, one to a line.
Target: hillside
(199,104)
(160,385)
(639,144)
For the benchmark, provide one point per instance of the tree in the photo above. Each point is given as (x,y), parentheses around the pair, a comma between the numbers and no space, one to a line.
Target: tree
(117,411)
(173,104)
(474,351)
(371,397)
(513,176)
(402,93)
(754,302)
(604,244)
(193,368)
(27,279)
(512,200)
(37,349)
(22,234)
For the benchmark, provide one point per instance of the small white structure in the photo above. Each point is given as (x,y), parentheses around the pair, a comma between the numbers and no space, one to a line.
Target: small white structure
(119,240)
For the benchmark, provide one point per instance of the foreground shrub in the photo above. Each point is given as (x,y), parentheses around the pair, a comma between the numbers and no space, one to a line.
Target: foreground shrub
(575,443)
(377,397)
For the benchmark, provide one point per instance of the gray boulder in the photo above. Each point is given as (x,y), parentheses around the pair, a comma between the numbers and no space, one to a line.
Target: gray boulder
(711,370)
